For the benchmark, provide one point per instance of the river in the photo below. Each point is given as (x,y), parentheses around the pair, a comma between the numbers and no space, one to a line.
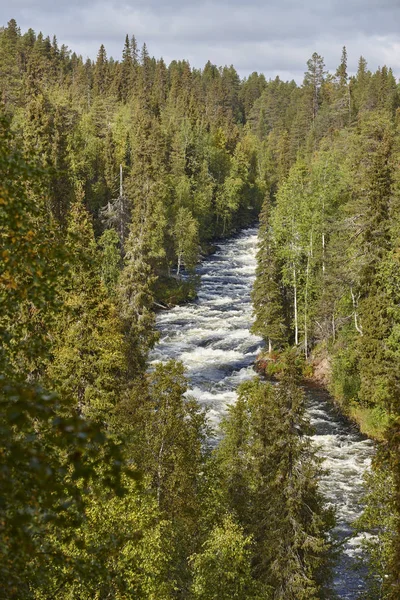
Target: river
(211,337)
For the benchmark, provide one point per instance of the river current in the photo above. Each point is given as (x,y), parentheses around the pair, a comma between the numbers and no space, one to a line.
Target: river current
(212,338)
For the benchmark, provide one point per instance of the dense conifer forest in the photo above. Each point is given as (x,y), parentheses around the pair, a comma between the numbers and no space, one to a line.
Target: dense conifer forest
(116,178)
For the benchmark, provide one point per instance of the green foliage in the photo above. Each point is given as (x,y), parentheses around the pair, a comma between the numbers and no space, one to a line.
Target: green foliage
(270,321)
(328,258)
(49,454)
(381,521)
(198,153)
(47,463)
(165,434)
(31,259)
(122,549)
(222,570)
(135,300)
(274,364)
(373,422)
(271,471)
(186,236)
(82,269)
(110,260)
(345,375)
(88,358)
(172,291)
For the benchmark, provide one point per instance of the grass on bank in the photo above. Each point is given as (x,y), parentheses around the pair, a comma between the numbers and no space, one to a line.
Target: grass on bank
(371,421)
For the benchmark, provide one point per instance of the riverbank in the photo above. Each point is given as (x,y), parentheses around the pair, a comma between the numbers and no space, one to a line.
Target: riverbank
(170,291)
(317,372)
(372,422)
(176,290)
(212,338)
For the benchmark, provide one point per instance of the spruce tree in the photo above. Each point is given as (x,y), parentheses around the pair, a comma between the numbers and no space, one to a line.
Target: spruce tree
(88,355)
(314,77)
(280,504)
(222,570)
(268,296)
(135,300)
(101,78)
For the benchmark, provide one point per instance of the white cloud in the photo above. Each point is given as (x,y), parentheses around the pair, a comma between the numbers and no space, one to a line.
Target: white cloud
(272,36)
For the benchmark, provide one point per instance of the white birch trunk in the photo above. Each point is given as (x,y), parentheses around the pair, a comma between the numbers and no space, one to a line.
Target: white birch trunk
(310,253)
(296,320)
(355,306)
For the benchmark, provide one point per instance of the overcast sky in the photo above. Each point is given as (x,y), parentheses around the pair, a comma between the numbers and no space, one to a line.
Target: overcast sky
(275,37)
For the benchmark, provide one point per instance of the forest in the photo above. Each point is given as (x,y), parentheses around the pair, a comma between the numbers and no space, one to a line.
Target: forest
(117,177)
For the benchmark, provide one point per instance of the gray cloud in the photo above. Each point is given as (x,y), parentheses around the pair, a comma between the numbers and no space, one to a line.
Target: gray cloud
(272,36)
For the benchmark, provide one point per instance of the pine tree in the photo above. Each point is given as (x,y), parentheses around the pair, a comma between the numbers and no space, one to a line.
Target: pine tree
(186,236)
(292,241)
(110,260)
(342,102)
(235,461)
(145,77)
(61,189)
(38,128)
(360,86)
(167,435)
(10,60)
(300,558)
(341,71)
(126,72)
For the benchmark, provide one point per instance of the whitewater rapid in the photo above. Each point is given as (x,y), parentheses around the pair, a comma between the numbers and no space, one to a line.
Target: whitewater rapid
(211,335)
(212,338)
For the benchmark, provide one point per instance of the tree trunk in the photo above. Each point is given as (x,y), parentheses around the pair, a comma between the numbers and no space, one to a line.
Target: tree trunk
(305,309)
(333,323)
(310,253)
(355,305)
(296,321)
(179,264)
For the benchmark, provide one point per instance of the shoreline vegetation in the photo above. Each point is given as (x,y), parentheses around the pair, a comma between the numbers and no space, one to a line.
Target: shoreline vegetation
(174,290)
(115,174)
(316,372)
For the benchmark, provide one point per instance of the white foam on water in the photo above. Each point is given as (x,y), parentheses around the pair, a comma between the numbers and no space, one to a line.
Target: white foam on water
(347,456)
(211,337)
